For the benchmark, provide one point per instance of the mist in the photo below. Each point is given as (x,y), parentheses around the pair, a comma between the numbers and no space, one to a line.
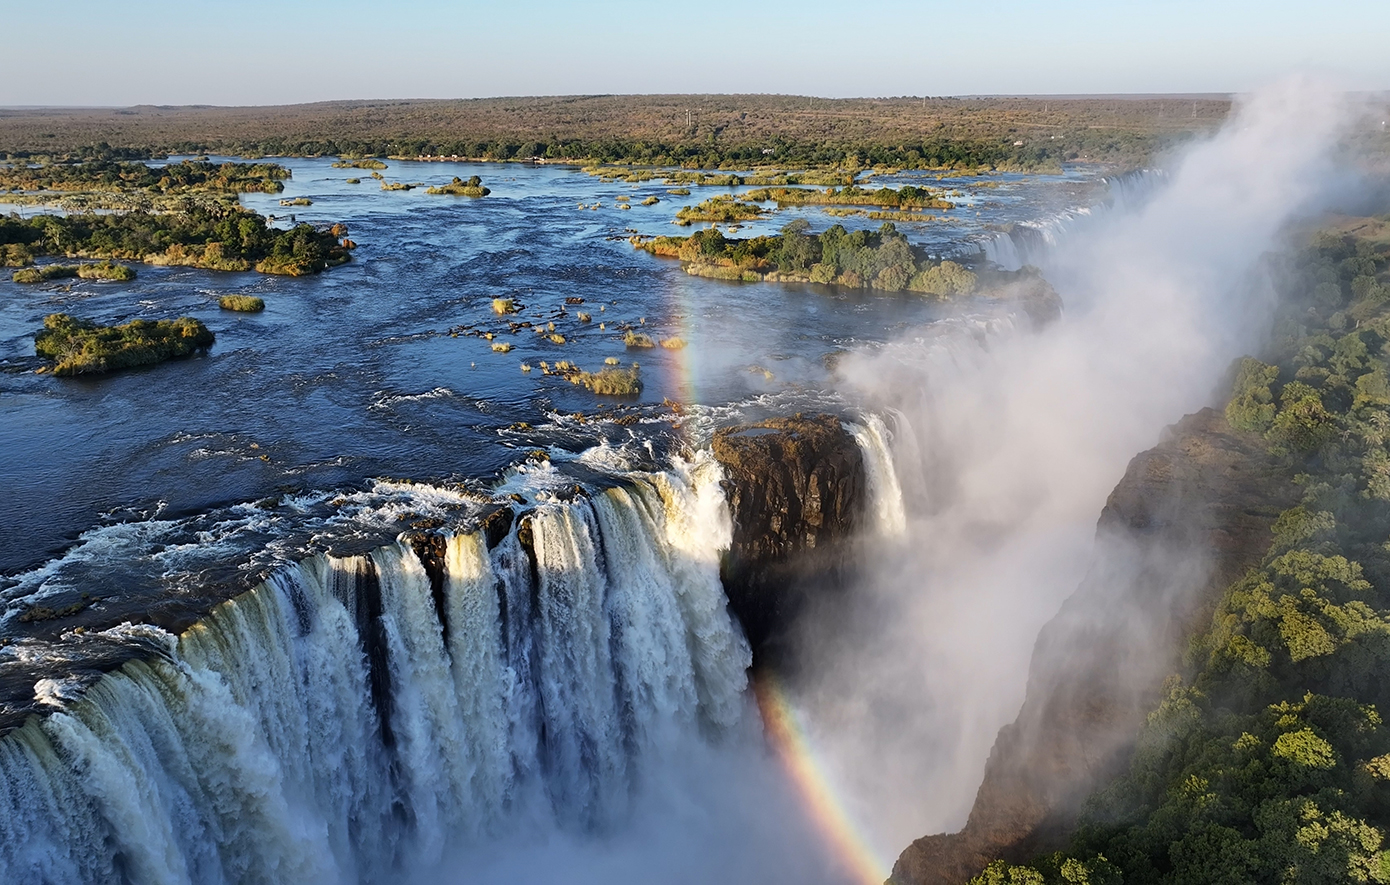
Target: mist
(1008,443)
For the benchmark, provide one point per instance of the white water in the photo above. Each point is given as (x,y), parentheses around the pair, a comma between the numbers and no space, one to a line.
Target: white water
(327,726)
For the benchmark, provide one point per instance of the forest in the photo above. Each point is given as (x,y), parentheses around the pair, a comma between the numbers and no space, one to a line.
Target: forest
(712,131)
(1269,758)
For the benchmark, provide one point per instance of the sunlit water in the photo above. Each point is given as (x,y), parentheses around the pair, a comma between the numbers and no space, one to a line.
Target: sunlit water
(358,405)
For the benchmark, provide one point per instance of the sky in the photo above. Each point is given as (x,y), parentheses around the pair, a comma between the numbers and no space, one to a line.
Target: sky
(103,53)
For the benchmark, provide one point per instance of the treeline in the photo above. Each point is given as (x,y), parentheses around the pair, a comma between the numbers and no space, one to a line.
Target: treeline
(217,238)
(1269,759)
(122,176)
(881,259)
(695,131)
(926,154)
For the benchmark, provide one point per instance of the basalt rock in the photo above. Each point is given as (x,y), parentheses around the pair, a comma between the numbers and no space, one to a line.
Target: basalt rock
(1189,516)
(797,491)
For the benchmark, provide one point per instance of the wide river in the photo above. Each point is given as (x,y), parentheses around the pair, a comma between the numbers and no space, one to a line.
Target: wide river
(369,370)
(515,719)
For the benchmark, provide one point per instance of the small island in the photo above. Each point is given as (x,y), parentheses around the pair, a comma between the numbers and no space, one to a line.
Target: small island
(116,176)
(103,270)
(365,163)
(906,197)
(719,209)
(211,237)
(81,347)
(241,303)
(473,187)
(860,260)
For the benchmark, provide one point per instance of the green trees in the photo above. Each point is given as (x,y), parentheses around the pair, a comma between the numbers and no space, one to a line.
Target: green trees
(473,187)
(1269,758)
(218,238)
(881,259)
(188,176)
(81,347)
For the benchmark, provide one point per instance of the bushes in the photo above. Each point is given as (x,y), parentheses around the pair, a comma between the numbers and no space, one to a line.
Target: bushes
(80,347)
(637,341)
(213,238)
(1269,758)
(103,270)
(612,382)
(862,259)
(45,273)
(189,176)
(473,187)
(946,278)
(721,208)
(242,303)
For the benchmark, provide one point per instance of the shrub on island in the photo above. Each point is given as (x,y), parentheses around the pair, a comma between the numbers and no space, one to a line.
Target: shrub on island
(722,208)
(81,347)
(101,270)
(367,163)
(215,238)
(242,303)
(611,382)
(880,259)
(473,187)
(637,341)
(45,273)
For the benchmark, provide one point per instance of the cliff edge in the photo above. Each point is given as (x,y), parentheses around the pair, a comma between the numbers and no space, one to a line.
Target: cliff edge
(1189,516)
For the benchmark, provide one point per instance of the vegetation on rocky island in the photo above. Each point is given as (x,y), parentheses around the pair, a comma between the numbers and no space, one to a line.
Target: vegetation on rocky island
(242,303)
(721,209)
(473,187)
(861,259)
(366,163)
(114,176)
(906,197)
(1269,758)
(213,237)
(81,347)
(297,201)
(610,381)
(102,270)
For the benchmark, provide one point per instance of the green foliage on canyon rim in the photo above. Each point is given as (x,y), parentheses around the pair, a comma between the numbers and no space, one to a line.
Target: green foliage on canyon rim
(1269,758)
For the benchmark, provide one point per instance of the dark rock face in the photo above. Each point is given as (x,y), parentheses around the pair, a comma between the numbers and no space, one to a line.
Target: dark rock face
(1188,518)
(797,490)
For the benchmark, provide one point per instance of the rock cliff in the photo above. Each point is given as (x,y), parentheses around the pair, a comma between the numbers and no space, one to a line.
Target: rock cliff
(1189,516)
(797,490)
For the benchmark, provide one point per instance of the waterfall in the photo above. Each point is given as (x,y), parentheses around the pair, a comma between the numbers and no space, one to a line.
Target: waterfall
(886,512)
(1031,242)
(356,719)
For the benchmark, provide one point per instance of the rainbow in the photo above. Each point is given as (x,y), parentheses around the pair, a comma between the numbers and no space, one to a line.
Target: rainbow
(792,744)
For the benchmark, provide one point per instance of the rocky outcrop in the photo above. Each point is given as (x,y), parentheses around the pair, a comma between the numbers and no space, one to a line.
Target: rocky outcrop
(797,490)
(1189,517)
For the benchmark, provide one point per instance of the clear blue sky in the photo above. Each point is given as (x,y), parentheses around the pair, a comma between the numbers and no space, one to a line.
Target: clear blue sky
(100,52)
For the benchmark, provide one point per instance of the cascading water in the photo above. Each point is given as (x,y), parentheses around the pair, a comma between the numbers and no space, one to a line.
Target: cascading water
(352,719)
(1030,242)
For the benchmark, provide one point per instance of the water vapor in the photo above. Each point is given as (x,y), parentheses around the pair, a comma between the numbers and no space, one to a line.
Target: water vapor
(1009,441)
